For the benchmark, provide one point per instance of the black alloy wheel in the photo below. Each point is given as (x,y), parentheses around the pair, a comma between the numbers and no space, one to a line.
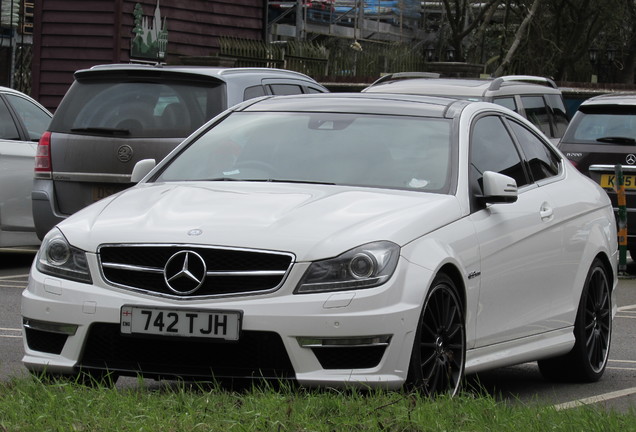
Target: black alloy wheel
(592,331)
(597,322)
(437,360)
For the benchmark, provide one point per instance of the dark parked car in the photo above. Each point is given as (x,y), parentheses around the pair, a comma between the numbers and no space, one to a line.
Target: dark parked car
(22,122)
(115,115)
(602,134)
(536,98)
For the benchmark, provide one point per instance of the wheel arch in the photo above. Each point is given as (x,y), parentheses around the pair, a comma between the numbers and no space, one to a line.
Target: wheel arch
(455,275)
(605,260)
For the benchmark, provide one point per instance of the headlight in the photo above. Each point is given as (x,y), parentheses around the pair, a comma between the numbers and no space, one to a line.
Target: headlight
(58,258)
(366,266)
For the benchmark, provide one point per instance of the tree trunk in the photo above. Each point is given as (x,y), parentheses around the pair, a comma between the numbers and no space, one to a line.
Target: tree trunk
(521,31)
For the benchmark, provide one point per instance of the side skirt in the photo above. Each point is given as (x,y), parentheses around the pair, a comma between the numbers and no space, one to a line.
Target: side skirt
(518,351)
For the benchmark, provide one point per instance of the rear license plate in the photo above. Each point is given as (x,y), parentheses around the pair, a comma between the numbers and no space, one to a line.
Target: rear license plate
(180,322)
(610,181)
(100,192)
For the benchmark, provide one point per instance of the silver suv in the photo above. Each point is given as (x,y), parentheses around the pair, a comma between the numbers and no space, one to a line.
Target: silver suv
(116,115)
(536,98)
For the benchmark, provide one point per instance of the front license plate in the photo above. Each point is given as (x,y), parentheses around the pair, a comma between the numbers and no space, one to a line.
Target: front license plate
(610,181)
(180,322)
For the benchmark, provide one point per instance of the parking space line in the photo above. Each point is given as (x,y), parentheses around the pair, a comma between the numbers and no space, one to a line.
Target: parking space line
(595,399)
(19,276)
(6,332)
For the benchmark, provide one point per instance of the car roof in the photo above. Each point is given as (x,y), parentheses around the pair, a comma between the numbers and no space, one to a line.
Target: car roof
(363,103)
(9,90)
(14,91)
(478,88)
(24,95)
(220,73)
(619,98)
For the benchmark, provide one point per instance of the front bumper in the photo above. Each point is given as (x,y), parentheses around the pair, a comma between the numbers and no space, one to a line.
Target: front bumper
(359,337)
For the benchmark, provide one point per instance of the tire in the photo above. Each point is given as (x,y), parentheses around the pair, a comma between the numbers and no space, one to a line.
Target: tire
(587,360)
(439,350)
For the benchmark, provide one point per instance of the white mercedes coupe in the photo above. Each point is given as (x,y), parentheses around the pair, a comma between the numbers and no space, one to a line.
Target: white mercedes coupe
(369,240)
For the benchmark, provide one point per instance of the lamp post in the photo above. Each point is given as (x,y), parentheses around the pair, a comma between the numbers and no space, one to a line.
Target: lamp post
(593,53)
(429,54)
(450,54)
(611,55)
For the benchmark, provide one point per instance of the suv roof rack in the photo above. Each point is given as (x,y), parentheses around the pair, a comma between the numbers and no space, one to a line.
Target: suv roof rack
(405,75)
(497,82)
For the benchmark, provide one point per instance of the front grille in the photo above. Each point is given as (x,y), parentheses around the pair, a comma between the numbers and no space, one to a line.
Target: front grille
(349,357)
(48,342)
(229,271)
(256,355)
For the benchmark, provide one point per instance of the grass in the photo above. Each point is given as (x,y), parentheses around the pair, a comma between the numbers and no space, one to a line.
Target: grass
(28,404)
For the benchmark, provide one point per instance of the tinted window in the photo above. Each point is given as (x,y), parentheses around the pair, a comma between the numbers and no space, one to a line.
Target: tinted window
(492,149)
(253,92)
(34,119)
(137,109)
(8,130)
(541,160)
(603,128)
(508,102)
(286,89)
(537,112)
(313,90)
(559,114)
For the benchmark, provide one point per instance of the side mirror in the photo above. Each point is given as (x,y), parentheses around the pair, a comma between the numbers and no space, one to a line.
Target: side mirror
(141,169)
(499,188)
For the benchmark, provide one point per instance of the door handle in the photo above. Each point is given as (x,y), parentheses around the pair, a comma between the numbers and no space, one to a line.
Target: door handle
(546,212)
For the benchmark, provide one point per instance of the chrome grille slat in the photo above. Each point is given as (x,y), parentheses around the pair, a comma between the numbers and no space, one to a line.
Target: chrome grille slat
(229,272)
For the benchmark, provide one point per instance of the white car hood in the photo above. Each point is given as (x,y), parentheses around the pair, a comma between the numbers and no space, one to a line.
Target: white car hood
(311,221)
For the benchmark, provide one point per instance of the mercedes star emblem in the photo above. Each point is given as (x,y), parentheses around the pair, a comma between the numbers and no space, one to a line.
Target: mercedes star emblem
(184,272)
(631,159)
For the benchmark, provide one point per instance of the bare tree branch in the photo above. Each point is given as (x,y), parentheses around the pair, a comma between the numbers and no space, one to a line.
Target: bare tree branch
(518,36)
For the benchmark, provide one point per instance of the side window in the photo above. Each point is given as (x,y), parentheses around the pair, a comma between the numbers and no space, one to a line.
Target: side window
(313,90)
(253,92)
(508,102)
(542,161)
(8,131)
(34,119)
(537,112)
(559,114)
(492,149)
(286,89)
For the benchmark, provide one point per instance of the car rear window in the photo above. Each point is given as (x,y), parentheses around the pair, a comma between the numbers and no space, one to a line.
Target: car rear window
(137,109)
(603,125)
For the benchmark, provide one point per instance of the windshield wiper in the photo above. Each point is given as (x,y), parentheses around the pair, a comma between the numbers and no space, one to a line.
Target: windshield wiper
(219,179)
(267,180)
(103,131)
(299,181)
(617,139)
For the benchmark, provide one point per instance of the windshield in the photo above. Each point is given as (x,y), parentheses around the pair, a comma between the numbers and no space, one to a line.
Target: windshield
(343,149)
